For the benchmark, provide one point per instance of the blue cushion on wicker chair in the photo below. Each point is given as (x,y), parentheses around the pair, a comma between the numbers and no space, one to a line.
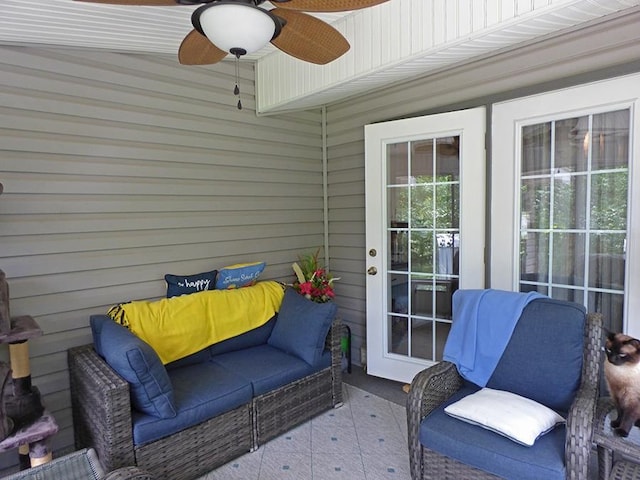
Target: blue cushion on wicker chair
(484,449)
(554,387)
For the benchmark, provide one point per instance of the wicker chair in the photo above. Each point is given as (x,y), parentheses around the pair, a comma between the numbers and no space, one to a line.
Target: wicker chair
(80,465)
(440,384)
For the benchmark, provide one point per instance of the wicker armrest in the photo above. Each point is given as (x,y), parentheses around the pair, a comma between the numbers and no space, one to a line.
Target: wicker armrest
(429,389)
(101,408)
(581,417)
(129,473)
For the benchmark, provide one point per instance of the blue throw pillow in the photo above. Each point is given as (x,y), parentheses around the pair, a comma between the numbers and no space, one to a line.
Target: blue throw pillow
(186,284)
(136,362)
(240,275)
(302,326)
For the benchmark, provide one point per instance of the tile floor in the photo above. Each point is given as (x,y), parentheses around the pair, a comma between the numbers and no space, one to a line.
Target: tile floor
(365,439)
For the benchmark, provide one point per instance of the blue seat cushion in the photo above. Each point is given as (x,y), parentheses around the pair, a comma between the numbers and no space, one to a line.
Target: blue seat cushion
(491,452)
(136,362)
(302,326)
(550,336)
(267,367)
(201,391)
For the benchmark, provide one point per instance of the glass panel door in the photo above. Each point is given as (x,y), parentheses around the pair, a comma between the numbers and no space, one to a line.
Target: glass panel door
(425,234)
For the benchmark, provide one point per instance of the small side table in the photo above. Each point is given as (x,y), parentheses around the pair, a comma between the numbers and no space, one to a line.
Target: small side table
(625,450)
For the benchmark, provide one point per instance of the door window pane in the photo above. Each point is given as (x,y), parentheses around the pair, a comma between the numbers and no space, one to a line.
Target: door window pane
(571,145)
(536,149)
(609,201)
(535,200)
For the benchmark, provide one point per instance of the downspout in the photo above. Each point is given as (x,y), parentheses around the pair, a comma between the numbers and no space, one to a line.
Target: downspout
(325,187)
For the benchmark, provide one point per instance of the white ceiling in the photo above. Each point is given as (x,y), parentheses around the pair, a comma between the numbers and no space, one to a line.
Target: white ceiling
(397,40)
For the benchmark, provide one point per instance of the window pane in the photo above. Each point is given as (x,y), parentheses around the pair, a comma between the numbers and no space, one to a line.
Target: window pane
(534,257)
(607,260)
(398,206)
(611,306)
(422,161)
(397,162)
(447,209)
(568,258)
(399,250)
(536,149)
(447,156)
(609,201)
(422,338)
(399,293)
(398,335)
(422,206)
(570,201)
(572,145)
(535,200)
(422,251)
(442,332)
(610,140)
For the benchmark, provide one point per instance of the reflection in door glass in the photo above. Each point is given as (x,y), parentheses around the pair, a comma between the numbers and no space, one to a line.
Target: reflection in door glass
(423,223)
(573,211)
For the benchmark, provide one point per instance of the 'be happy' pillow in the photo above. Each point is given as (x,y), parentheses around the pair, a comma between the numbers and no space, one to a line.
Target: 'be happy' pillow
(239,275)
(186,284)
(517,418)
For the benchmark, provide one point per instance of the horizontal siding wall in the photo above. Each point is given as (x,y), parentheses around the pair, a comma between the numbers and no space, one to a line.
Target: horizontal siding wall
(599,51)
(118,169)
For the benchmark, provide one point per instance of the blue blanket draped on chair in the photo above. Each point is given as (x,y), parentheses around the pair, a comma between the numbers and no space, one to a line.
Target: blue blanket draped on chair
(483,321)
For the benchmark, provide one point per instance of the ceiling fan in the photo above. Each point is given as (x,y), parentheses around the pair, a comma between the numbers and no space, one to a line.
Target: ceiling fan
(240,27)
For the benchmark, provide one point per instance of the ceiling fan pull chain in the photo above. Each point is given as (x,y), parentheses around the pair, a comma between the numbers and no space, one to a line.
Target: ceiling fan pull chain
(236,91)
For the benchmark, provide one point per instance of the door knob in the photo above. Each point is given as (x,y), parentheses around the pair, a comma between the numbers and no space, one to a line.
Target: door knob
(372,270)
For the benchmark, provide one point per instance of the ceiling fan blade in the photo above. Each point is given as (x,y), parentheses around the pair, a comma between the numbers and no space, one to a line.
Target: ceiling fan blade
(325,5)
(309,38)
(152,3)
(196,49)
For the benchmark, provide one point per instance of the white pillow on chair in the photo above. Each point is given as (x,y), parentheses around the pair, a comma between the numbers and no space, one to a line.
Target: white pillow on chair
(517,418)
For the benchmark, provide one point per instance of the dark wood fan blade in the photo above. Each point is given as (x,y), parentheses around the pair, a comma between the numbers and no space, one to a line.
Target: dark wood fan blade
(196,49)
(151,3)
(326,5)
(309,38)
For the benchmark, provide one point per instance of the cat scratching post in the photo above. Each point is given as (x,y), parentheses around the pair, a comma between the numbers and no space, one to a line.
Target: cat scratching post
(32,426)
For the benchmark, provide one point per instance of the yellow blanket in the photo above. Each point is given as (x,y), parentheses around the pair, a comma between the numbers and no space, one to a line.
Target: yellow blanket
(179,326)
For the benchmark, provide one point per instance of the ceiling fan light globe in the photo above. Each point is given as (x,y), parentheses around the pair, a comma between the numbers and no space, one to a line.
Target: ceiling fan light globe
(236,26)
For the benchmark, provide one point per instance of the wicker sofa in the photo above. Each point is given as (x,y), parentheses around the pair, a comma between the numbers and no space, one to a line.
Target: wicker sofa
(283,391)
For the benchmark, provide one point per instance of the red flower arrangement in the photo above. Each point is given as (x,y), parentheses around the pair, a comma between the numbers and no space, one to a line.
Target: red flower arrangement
(313,281)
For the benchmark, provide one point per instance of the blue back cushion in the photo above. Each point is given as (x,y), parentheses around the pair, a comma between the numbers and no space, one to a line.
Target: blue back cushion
(549,341)
(302,326)
(136,362)
(252,338)
(96,322)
